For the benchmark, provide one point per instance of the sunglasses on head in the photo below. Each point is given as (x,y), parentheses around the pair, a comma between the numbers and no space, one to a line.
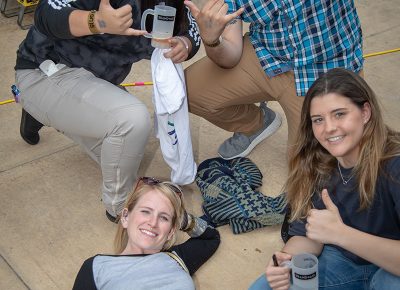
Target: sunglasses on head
(154,181)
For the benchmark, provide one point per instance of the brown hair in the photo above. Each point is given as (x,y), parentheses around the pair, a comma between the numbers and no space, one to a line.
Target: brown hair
(311,165)
(121,237)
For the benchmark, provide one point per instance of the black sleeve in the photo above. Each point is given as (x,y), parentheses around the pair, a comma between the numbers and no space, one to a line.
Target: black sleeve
(297,228)
(192,33)
(85,280)
(196,251)
(52,18)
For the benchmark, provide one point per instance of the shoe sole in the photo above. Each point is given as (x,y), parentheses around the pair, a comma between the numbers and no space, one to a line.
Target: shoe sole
(271,129)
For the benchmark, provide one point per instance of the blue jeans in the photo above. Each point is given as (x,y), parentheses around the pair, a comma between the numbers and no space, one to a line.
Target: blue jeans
(338,272)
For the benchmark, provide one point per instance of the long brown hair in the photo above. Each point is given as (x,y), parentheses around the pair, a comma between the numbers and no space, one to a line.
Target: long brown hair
(311,165)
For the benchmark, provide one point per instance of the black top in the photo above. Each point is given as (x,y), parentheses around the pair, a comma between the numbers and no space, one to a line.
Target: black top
(107,56)
(381,219)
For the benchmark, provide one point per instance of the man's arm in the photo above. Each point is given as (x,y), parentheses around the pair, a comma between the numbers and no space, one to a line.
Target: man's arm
(106,20)
(58,19)
(215,23)
(227,54)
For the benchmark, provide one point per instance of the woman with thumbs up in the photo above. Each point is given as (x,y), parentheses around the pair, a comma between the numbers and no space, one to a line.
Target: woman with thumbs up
(343,189)
(69,70)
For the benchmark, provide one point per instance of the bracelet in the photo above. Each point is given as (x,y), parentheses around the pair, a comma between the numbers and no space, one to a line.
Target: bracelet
(214,43)
(92,27)
(184,42)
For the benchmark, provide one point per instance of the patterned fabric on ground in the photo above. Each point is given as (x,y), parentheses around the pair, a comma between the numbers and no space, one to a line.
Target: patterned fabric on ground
(230,196)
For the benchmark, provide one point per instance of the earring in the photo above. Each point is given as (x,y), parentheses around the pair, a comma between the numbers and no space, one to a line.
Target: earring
(125,213)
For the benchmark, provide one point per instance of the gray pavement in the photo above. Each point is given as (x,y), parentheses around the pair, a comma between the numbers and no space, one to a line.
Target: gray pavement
(51,215)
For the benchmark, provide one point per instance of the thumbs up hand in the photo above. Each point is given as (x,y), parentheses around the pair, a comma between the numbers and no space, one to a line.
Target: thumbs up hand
(116,21)
(325,225)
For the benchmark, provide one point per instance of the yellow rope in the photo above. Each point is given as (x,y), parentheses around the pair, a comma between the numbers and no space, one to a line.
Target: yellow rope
(150,83)
(137,84)
(7,102)
(381,52)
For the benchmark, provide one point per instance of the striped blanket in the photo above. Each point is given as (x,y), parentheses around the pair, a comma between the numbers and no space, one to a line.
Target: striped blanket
(229,189)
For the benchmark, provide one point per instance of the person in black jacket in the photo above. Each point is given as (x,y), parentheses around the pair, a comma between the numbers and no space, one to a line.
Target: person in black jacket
(145,256)
(68,72)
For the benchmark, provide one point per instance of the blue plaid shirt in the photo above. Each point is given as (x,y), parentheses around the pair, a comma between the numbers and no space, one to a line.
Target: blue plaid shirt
(306,36)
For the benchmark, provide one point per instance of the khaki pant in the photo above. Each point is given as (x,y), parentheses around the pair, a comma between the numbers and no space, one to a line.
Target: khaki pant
(109,123)
(227,97)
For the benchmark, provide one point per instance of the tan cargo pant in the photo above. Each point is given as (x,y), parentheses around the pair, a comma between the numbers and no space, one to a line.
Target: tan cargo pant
(227,97)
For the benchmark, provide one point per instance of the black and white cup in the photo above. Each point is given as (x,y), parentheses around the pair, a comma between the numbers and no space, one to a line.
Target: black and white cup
(163,24)
(304,271)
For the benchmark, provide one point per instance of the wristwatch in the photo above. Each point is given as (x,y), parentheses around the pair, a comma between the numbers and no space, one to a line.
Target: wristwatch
(215,43)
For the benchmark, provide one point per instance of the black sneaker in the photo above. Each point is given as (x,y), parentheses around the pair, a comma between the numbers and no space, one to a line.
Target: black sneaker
(29,128)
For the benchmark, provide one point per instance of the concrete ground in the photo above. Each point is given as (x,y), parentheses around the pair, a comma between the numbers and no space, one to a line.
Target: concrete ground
(51,216)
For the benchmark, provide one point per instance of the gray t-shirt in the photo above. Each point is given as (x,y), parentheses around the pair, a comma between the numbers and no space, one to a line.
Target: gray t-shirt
(164,270)
(157,271)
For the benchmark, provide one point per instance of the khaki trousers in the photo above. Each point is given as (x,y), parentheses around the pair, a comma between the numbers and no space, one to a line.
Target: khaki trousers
(110,124)
(227,97)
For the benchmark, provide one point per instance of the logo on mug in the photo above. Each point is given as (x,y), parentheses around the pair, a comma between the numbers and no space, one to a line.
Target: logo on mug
(305,277)
(165,18)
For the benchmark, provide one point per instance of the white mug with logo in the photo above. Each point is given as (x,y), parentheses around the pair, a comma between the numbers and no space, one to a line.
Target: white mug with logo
(304,271)
(163,24)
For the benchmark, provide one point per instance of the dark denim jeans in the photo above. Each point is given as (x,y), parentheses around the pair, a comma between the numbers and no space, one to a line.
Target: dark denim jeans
(338,272)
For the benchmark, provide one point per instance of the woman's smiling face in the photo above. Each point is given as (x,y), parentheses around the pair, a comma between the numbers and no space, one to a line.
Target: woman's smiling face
(149,224)
(338,125)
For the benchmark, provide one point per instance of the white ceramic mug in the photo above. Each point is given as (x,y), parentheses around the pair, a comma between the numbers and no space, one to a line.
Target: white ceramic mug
(163,24)
(304,271)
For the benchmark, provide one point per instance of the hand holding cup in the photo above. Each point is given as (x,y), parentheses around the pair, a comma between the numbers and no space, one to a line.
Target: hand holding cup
(178,52)
(278,276)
